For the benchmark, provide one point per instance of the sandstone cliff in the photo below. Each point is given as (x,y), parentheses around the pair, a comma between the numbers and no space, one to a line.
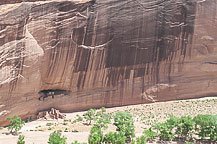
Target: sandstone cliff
(75,55)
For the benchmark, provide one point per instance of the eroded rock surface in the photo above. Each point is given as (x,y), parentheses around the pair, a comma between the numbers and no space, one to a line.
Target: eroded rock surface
(80,54)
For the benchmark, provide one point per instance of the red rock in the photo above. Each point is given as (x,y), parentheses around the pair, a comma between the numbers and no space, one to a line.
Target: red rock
(78,55)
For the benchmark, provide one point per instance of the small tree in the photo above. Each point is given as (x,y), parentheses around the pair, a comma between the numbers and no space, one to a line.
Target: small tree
(115,138)
(206,126)
(167,129)
(125,124)
(149,134)
(21,140)
(56,138)
(15,124)
(185,127)
(96,135)
(141,140)
(89,116)
(102,119)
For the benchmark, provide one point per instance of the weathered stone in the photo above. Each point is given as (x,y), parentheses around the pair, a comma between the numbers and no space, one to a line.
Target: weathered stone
(50,115)
(77,55)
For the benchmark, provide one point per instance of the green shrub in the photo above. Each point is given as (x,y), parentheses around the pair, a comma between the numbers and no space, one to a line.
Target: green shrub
(21,140)
(66,130)
(185,127)
(172,122)
(65,123)
(89,116)
(75,130)
(115,138)
(15,124)
(49,124)
(102,119)
(76,142)
(206,126)
(56,138)
(96,135)
(125,124)
(133,141)
(149,134)
(165,133)
(141,140)
(77,120)
(166,129)
(103,110)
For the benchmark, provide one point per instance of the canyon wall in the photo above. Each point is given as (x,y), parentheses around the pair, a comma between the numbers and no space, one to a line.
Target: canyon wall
(78,54)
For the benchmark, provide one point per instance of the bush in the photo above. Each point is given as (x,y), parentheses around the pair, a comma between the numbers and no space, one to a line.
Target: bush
(15,124)
(185,127)
(102,109)
(165,133)
(96,135)
(56,138)
(141,140)
(206,126)
(149,134)
(77,120)
(102,119)
(125,124)
(21,140)
(166,129)
(76,142)
(115,138)
(75,131)
(49,124)
(89,116)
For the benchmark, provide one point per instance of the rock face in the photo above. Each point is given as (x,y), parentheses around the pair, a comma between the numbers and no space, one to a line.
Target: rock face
(76,55)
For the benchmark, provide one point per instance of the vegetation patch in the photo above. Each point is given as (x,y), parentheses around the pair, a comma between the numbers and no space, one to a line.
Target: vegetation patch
(106,126)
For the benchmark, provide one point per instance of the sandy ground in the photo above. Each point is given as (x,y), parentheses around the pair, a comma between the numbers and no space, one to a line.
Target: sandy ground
(145,115)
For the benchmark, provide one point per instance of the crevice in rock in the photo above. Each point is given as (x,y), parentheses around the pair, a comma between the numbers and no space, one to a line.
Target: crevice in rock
(211,62)
(52,93)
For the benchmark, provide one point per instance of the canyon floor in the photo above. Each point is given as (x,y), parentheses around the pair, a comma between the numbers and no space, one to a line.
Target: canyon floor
(145,115)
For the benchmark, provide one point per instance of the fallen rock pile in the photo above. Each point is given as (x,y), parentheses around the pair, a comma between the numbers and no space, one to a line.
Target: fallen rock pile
(52,114)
